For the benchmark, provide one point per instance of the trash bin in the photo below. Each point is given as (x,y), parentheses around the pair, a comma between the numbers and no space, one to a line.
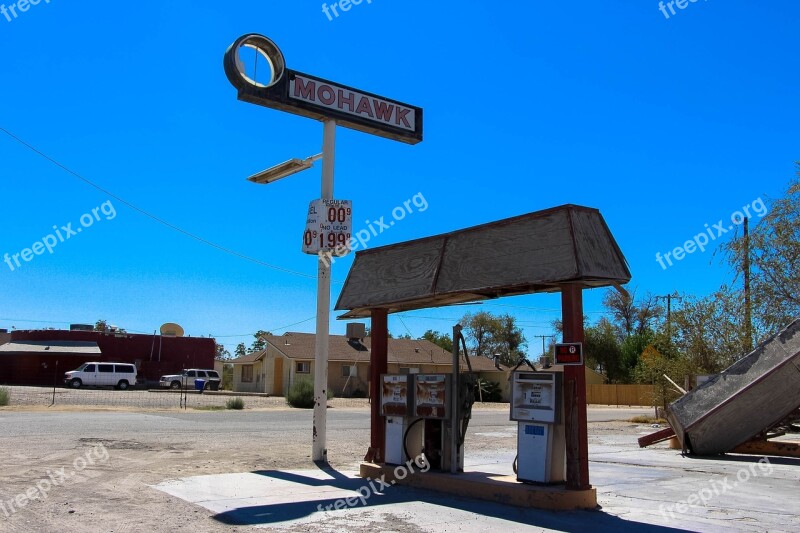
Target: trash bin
(199,384)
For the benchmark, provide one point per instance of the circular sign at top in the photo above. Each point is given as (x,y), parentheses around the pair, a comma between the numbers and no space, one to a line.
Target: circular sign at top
(235,67)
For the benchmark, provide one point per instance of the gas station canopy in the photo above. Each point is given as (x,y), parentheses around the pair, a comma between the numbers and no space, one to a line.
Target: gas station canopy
(537,252)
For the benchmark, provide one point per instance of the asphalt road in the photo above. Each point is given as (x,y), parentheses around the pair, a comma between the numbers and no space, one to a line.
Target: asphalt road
(231,424)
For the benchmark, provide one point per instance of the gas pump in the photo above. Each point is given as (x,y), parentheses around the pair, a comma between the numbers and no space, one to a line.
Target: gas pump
(537,405)
(432,404)
(428,414)
(403,435)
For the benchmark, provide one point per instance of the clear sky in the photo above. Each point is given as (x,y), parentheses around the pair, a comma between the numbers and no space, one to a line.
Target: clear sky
(665,122)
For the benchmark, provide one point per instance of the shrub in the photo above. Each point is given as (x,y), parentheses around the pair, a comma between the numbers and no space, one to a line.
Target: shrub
(490,391)
(301,394)
(5,396)
(235,403)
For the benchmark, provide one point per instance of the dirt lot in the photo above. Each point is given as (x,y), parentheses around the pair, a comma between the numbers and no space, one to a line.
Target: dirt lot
(100,464)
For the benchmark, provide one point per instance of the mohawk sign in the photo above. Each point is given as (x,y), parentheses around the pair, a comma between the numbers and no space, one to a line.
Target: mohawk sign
(313,97)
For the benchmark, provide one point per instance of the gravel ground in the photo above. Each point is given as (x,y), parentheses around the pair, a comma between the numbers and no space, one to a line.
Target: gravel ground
(147,447)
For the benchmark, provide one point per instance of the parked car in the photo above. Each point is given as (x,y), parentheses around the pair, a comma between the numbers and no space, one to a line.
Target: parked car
(119,375)
(186,379)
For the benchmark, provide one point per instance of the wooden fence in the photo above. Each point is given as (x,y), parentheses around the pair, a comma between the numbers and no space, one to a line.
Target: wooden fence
(619,394)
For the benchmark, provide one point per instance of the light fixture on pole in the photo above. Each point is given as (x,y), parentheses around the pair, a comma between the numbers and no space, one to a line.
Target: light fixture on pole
(283,170)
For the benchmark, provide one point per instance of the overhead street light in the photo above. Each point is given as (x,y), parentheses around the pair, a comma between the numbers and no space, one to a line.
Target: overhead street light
(283,170)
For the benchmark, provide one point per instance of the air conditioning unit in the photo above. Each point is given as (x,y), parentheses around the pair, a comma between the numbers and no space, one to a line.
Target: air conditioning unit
(356,330)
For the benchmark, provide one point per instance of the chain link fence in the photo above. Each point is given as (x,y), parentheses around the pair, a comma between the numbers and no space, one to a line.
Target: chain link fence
(133,398)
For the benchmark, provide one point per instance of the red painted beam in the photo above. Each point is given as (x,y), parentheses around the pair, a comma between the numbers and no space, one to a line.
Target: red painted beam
(655,438)
(575,420)
(379,355)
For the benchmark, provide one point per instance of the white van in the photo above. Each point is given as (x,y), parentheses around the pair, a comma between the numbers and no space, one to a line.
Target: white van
(119,375)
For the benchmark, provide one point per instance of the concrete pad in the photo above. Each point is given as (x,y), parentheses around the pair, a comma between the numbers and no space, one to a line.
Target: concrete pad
(504,489)
(297,500)
(653,489)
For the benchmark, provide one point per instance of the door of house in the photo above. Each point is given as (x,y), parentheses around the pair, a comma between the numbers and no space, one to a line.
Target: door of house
(277,379)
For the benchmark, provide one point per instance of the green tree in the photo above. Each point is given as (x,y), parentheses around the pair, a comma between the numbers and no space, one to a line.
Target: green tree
(101,325)
(774,253)
(443,340)
(602,349)
(511,340)
(259,344)
(222,353)
(241,350)
(487,335)
(709,331)
(631,316)
(480,333)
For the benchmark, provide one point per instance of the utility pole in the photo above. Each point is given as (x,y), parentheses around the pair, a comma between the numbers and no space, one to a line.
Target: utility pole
(748,317)
(669,298)
(543,337)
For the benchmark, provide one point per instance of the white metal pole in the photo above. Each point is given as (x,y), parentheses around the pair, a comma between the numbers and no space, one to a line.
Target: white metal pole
(319,447)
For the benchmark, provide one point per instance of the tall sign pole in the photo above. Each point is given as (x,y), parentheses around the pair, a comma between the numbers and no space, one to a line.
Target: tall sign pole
(320,447)
(328,225)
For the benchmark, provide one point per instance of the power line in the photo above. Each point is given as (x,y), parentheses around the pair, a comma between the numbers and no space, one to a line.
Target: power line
(669,298)
(268,329)
(154,217)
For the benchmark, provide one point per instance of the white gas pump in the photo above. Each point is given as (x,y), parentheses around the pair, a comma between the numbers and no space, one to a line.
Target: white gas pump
(537,405)
(401,432)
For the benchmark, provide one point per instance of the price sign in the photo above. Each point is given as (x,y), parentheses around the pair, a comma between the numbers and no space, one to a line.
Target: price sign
(328,227)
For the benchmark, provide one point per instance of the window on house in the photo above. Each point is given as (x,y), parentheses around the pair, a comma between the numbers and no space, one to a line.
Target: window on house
(348,371)
(247,373)
(303,368)
(404,370)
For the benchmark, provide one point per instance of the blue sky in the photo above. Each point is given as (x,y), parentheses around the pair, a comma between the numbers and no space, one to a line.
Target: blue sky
(664,124)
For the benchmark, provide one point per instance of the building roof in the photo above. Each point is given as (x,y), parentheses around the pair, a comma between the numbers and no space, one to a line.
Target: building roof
(302,346)
(51,347)
(537,252)
(247,359)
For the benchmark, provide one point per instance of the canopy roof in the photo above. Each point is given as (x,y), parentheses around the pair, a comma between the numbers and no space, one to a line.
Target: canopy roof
(537,252)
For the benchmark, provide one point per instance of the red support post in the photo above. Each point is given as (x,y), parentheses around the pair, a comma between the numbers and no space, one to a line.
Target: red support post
(379,354)
(575,420)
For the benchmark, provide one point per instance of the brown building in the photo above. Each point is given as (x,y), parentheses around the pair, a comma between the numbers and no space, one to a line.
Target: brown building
(290,357)
(31,357)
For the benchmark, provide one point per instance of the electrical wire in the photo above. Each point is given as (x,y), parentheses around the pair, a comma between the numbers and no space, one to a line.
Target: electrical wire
(154,217)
